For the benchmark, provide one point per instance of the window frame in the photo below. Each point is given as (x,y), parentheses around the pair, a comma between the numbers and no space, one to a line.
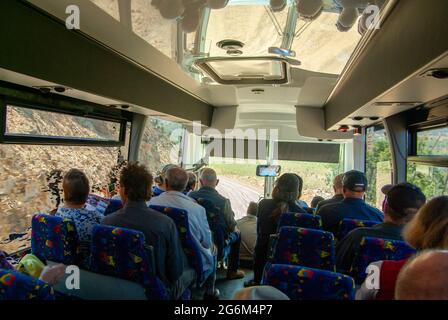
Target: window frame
(59,141)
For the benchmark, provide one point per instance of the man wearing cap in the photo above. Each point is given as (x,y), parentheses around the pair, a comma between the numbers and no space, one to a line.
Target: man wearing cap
(402,202)
(354,186)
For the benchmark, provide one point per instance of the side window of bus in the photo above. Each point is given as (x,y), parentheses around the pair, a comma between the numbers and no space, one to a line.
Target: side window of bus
(30,175)
(378,163)
(428,168)
(161,143)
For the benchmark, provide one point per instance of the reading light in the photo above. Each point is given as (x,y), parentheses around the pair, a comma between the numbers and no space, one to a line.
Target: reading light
(344,128)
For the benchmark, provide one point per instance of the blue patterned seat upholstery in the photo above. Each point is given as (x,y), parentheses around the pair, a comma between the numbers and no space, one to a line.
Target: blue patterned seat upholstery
(300,220)
(301,283)
(375,249)
(54,238)
(305,247)
(180,218)
(121,253)
(17,286)
(218,227)
(97,203)
(114,205)
(347,225)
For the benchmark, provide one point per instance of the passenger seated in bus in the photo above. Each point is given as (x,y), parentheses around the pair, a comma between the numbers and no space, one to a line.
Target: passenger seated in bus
(284,196)
(160,188)
(159,230)
(209,181)
(315,201)
(427,230)
(300,202)
(248,230)
(176,180)
(76,189)
(260,293)
(192,182)
(338,192)
(424,277)
(352,207)
(403,202)
(49,274)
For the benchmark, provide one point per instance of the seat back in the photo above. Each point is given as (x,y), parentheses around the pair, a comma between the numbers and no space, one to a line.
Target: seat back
(54,238)
(180,218)
(300,220)
(97,203)
(376,249)
(218,227)
(301,283)
(122,253)
(114,205)
(347,225)
(17,286)
(305,247)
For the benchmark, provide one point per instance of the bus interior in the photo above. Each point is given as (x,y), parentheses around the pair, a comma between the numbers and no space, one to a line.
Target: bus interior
(314,87)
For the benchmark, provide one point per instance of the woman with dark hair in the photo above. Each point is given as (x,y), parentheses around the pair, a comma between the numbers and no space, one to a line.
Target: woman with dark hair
(286,191)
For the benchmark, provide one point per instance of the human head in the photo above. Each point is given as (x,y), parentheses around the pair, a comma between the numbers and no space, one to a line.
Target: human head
(429,228)
(160,179)
(287,188)
(316,200)
(176,179)
(252,209)
(209,178)
(76,187)
(192,181)
(337,184)
(354,184)
(402,202)
(135,183)
(424,277)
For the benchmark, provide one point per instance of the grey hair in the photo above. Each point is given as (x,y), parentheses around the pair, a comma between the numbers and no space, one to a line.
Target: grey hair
(209,175)
(177,179)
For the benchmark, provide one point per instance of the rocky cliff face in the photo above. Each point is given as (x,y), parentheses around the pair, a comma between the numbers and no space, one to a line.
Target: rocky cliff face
(25,170)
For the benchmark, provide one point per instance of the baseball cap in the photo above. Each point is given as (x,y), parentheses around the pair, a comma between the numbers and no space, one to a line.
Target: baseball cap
(404,196)
(355,181)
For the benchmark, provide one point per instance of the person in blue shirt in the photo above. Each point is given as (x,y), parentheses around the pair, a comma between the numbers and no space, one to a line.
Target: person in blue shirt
(354,185)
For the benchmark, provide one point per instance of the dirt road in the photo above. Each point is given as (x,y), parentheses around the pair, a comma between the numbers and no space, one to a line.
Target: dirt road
(240,195)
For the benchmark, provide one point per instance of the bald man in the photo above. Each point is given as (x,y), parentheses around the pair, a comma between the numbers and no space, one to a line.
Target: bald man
(424,277)
(209,181)
(338,193)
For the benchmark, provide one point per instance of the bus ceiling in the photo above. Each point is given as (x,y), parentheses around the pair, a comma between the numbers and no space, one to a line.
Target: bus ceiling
(222,71)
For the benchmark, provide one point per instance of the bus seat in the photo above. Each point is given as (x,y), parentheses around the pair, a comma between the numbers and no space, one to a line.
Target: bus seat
(97,203)
(347,225)
(180,218)
(305,247)
(301,283)
(17,286)
(95,286)
(114,205)
(218,226)
(376,249)
(121,253)
(54,238)
(300,220)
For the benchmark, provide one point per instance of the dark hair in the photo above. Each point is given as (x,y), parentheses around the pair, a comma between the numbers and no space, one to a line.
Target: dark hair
(137,182)
(252,209)
(286,191)
(76,187)
(191,181)
(316,200)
